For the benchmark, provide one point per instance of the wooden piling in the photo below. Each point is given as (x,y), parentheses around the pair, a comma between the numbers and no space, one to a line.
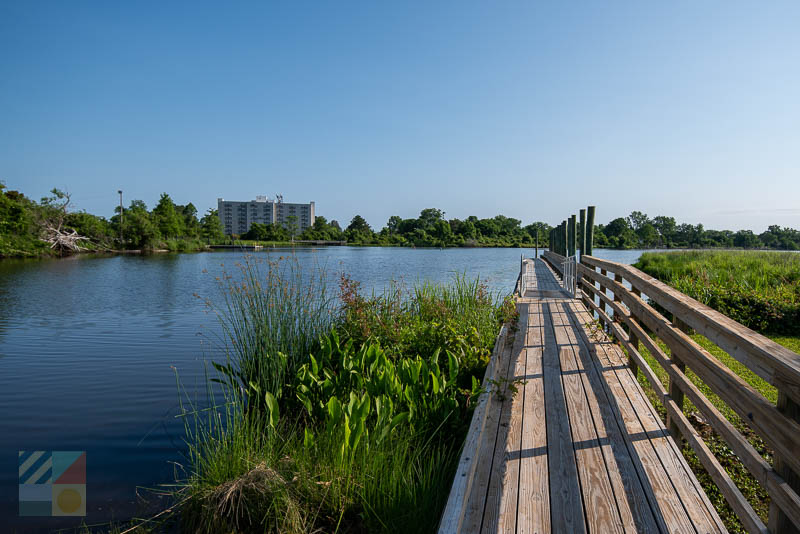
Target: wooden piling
(573,236)
(589,230)
(582,233)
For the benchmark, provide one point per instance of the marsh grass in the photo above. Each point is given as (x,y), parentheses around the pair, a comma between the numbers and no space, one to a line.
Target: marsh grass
(272,314)
(761,290)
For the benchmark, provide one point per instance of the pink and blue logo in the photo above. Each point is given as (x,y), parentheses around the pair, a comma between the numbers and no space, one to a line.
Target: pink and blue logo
(52,483)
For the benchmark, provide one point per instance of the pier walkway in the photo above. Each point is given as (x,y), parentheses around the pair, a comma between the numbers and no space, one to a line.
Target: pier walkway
(567,441)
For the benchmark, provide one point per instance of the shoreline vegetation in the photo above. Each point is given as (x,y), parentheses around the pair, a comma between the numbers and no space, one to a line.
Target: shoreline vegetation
(339,412)
(51,228)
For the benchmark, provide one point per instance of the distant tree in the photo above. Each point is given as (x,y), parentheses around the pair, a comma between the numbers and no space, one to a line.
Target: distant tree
(336,225)
(188,214)
(468,230)
(166,218)
(665,226)
(443,232)
(359,224)
(620,234)
(211,227)
(637,220)
(544,232)
(139,229)
(393,224)
(648,235)
(429,217)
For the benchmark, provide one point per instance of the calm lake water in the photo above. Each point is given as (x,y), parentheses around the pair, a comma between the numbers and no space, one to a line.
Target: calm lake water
(89,348)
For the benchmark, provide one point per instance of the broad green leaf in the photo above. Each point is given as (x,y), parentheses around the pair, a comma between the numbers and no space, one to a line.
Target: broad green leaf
(452,363)
(308,438)
(272,406)
(435,382)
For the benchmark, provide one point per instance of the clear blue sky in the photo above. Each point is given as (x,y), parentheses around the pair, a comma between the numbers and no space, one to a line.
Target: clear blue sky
(384,108)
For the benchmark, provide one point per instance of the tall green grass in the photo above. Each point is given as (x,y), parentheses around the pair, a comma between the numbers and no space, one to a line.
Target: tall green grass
(272,314)
(761,290)
(362,403)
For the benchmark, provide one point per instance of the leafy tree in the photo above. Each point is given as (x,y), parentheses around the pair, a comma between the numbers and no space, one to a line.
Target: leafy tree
(429,217)
(188,214)
(211,227)
(620,234)
(648,235)
(665,226)
(637,220)
(359,224)
(746,239)
(393,224)
(139,228)
(166,218)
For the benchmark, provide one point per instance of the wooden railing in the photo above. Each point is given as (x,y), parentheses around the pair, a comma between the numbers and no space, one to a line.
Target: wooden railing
(634,322)
(555,260)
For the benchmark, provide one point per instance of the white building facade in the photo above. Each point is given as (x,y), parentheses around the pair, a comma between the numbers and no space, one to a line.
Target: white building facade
(237,216)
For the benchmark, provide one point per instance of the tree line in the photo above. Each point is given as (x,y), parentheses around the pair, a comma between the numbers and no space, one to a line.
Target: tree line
(23,223)
(174,226)
(640,231)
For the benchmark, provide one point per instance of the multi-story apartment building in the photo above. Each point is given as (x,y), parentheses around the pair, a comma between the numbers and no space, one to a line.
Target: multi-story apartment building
(237,216)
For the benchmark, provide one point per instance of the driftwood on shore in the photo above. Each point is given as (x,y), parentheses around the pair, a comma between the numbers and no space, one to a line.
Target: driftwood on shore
(64,241)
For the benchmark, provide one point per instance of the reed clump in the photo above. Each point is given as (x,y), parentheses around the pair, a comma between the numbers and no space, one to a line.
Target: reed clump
(335,412)
(761,290)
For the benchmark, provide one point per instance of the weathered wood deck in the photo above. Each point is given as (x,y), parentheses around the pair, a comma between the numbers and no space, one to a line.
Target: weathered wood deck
(578,448)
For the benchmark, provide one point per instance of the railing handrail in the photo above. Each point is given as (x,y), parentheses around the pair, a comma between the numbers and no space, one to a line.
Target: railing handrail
(773,362)
(777,425)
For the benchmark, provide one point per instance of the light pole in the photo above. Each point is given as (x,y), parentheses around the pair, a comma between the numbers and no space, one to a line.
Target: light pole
(120,215)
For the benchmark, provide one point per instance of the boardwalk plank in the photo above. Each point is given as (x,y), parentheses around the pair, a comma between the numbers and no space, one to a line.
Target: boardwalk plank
(667,506)
(507,518)
(566,506)
(632,500)
(601,510)
(533,515)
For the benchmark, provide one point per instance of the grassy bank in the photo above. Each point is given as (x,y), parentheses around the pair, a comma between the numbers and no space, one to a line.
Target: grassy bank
(758,289)
(342,412)
(761,290)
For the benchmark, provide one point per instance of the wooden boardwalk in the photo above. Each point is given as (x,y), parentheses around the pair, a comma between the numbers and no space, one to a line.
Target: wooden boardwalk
(578,448)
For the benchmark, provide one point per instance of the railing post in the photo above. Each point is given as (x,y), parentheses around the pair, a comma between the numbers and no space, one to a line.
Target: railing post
(778,522)
(634,340)
(603,291)
(589,230)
